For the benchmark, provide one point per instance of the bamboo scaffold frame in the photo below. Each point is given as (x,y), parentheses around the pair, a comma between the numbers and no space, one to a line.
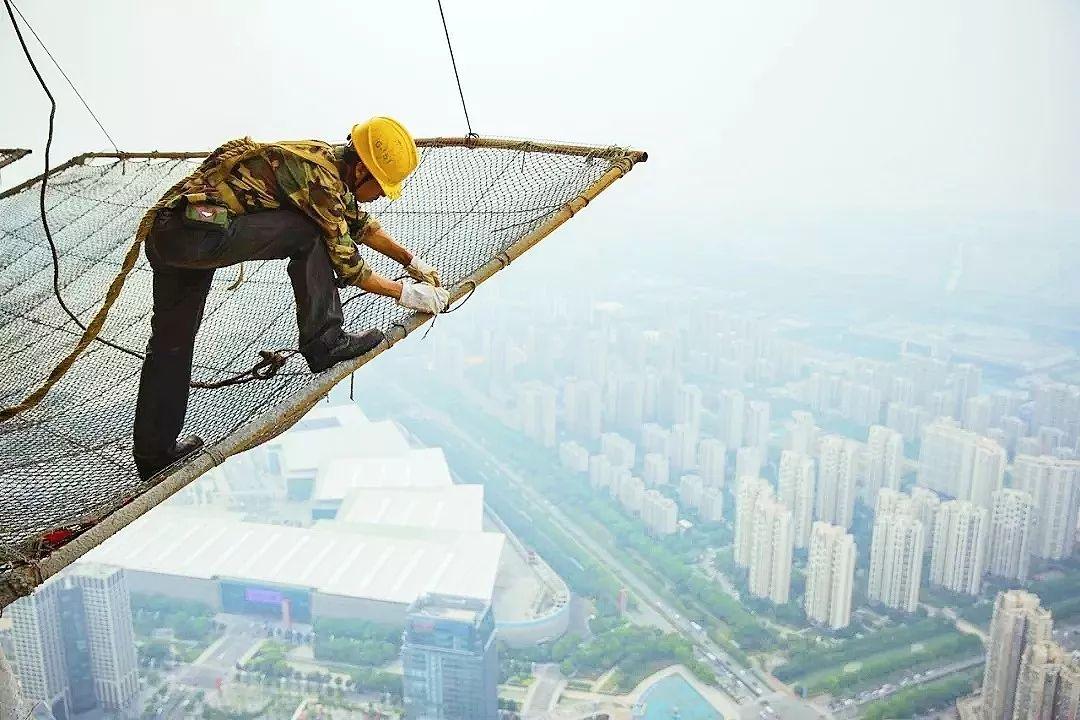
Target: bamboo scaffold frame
(28,573)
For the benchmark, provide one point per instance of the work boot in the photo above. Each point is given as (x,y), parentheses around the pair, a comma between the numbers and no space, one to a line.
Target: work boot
(148,467)
(348,347)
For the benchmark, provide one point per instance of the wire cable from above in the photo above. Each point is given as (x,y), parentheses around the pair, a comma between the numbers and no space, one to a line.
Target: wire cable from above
(457,77)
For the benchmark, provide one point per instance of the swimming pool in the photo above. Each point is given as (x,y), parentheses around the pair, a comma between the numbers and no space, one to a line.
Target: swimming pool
(672,694)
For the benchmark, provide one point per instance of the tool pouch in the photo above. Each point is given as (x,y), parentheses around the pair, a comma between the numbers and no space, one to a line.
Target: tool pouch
(204,216)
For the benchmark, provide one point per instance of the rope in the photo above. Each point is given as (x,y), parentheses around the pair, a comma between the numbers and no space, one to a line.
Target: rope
(268,367)
(457,77)
(75,89)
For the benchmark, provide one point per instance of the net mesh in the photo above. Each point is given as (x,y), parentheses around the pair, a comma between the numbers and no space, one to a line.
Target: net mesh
(67,462)
(10,155)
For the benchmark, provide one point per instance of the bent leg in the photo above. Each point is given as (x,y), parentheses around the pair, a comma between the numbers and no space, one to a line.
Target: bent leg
(279,234)
(179,300)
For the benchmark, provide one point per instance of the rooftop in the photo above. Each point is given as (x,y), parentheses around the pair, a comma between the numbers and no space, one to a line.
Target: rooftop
(451,507)
(331,558)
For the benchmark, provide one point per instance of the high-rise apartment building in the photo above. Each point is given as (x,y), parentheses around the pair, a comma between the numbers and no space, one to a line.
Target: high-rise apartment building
(749,489)
(756,426)
(1054,486)
(659,513)
(1012,523)
(747,463)
(958,558)
(656,470)
(977,414)
(39,649)
(1039,683)
(830,575)
(683,453)
(884,462)
(924,508)
(837,468)
(690,405)
(770,555)
(631,494)
(731,415)
(449,660)
(795,489)
(536,409)
(711,459)
(896,557)
(959,463)
(75,643)
(802,434)
(620,451)
(691,491)
(1017,623)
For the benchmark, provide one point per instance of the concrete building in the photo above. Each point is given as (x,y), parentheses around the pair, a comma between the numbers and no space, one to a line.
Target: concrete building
(1054,486)
(620,451)
(884,462)
(802,434)
(893,501)
(75,644)
(837,469)
(712,505)
(896,557)
(830,574)
(600,472)
(756,426)
(106,603)
(629,402)
(683,449)
(655,439)
(39,649)
(748,462)
(689,409)
(1037,685)
(536,412)
(691,491)
(712,456)
(959,463)
(749,489)
(631,494)
(449,660)
(770,555)
(583,408)
(924,507)
(1012,523)
(958,558)
(659,513)
(796,483)
(656,470)
(1017,623)
(732,415)
(977,414)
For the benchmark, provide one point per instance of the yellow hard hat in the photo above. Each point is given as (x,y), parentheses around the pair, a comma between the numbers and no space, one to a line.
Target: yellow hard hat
(387,150)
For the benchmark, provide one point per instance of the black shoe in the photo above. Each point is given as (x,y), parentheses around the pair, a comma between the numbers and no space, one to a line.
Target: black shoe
(350,346)
(149,467)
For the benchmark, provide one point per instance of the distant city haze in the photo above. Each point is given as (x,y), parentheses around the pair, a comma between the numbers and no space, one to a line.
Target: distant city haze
(872,137)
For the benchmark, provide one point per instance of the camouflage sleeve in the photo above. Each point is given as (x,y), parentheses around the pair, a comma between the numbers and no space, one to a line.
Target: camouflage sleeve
(360,223)
(320,196)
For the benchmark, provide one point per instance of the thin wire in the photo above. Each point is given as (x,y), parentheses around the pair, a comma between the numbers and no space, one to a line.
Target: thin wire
(75,89)
(44,183)
(457,77)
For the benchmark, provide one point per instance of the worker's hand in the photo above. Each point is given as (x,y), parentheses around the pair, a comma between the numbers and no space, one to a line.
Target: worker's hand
(423,297)
(420,271)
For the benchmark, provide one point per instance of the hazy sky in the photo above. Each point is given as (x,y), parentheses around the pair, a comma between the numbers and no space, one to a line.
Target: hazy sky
(752,112)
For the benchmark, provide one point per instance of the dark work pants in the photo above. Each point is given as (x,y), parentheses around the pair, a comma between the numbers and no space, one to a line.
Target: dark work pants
(184,260)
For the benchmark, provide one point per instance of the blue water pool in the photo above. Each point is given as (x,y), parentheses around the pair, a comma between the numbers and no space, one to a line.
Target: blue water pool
(672,694)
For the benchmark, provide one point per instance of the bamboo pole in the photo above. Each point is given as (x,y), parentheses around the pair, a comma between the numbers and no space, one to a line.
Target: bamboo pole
(14,154)
(22,579)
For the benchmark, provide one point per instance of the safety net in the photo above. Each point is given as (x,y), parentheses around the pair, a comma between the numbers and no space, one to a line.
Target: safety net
(67,478)
(10,155)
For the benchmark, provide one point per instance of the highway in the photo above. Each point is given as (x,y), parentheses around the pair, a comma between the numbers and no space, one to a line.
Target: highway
(852,711)
(751,687)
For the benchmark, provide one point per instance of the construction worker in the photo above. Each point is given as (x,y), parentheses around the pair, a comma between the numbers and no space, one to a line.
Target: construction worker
(263,201)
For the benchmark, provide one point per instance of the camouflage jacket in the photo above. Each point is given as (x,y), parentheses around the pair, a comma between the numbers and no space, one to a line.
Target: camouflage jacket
(246,176)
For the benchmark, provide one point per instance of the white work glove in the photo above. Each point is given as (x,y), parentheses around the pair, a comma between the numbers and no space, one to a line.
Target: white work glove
(423,297)
(420,271)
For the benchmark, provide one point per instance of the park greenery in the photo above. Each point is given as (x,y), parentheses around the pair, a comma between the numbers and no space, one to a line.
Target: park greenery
(356,642)
(923,698)
(1060,594)
(633,651)
(876,658)
(188,620)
